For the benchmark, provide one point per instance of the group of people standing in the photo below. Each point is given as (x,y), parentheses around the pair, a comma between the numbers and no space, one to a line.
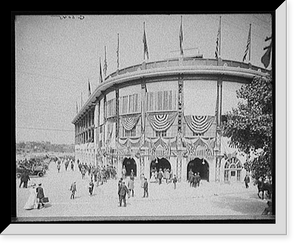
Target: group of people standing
(194,178)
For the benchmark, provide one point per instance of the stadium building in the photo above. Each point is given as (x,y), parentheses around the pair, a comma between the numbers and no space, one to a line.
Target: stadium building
(165,114)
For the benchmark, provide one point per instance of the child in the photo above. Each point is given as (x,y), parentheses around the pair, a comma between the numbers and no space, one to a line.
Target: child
(73,190)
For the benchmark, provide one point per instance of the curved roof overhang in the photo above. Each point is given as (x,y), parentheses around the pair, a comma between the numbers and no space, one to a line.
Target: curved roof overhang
(240,74)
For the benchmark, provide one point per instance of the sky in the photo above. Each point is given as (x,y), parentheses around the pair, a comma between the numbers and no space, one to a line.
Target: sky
(56,56)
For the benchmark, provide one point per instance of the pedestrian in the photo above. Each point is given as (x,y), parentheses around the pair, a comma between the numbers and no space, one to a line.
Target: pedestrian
(167,176)
(269,209)
(72,165)
(73,190)
(24,179)
(174,181)
(198,179)
(142,180)
(247,181)
(58,166)
(91,187)
(131,174)
(40,195)
(160,176)
(190,178)
(131,186)
(32,199)
(122,192)
(146,194)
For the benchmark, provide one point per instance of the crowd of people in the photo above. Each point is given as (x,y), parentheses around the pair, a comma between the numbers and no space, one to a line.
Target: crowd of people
(101,174)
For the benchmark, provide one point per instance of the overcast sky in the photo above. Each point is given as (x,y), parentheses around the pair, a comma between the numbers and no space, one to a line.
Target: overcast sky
(56,56)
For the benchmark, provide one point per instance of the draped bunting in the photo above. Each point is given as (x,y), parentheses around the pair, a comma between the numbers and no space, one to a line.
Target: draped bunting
(199,124)
(161,122)
(199,147)
(129,121)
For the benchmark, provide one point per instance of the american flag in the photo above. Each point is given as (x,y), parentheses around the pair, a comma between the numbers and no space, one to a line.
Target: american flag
(247,51)
(146,52)
(218,42)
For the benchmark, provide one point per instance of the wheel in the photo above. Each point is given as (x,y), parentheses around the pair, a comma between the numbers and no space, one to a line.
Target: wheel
(40,174)
(18,175)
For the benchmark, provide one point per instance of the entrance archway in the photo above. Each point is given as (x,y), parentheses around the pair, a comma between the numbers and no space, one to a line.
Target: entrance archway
(199,165)
(129,164)
(159,163)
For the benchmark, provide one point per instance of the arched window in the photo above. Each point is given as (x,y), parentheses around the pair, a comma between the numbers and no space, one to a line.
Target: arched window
(232,170)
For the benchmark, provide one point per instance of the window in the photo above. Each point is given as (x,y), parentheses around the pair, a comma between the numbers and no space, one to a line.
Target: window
(232,168)
(111,108)
(161,101)
(161,134)
(129,104)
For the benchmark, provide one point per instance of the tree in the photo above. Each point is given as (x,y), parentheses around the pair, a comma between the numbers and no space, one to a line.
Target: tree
(250,126)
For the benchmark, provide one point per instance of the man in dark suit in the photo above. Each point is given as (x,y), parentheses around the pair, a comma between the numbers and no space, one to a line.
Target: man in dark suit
(24,179)
(123,190)
(40,195)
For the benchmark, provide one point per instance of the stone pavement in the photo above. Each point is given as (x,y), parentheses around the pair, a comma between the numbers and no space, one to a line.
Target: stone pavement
(207,201)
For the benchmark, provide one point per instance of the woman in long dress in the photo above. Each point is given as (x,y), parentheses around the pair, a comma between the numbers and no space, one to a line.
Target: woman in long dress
(32,199)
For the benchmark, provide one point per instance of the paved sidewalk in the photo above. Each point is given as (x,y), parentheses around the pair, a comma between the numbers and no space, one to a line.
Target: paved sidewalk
(210,200)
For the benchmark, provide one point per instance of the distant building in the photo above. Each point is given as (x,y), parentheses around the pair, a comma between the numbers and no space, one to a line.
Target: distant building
(164,114)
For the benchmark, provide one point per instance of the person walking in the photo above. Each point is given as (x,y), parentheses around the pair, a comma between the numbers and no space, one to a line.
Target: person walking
(24,179)
(247,181)
(131,186)
(73,190)
(160,176)
(58,166)
(146,194)
(122,192)
(91,187)
(174,181)
(32,199)
(40,195)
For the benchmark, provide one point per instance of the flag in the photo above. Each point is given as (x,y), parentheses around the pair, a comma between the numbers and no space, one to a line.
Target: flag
(118,51)
(105,62)
(266,58)
(146,52)
(100,76)
(218,42)
(248,47)
(181,38)
(89,88)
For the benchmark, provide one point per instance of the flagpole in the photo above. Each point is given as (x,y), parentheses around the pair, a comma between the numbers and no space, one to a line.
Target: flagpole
(250,45)
(220,37)
(144,41)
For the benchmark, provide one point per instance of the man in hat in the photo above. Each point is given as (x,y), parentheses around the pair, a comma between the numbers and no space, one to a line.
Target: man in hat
(40,195)
(123,190)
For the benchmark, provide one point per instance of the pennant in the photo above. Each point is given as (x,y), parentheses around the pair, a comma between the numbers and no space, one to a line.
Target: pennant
(181,38)
(100,76)
(118,52)
(218,42)
(89,88)
(105,62)
(146,52)
(248,46)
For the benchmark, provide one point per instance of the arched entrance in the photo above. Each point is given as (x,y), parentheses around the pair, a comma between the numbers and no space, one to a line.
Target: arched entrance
(159,163)
(232,170)
(129,164)
(199,165)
